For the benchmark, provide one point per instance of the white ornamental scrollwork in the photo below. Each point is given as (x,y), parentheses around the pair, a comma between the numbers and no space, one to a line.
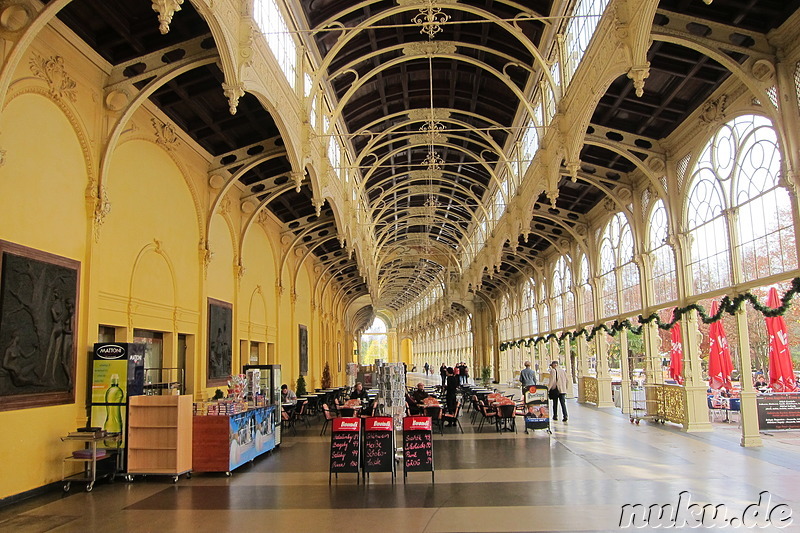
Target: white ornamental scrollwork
(52,71)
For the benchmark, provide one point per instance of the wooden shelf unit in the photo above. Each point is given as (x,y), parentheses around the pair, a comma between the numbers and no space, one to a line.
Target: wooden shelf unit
(160,435)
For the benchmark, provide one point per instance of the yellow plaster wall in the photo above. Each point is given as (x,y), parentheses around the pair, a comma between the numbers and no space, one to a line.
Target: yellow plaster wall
(144,269)
(42,206)
(257,292)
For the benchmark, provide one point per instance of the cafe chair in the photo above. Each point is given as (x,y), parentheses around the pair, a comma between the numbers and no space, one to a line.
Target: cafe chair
(506,419)
(453,418)
(288,419)
(487,413)
(328,416)
(436,416)
(475,411)
(369,410)
(300,412)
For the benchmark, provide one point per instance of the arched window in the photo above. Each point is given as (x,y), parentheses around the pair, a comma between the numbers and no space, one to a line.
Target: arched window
(558,290)
(619,274)
(663,258)
(766,234)
(735,181)
(564,300)
(585,290)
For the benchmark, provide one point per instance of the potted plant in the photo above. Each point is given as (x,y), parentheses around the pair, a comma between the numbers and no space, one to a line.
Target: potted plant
(486,376)
(326,376)
(300,390)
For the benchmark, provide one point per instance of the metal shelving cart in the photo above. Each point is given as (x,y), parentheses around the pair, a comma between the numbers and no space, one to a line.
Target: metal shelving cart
(90,459)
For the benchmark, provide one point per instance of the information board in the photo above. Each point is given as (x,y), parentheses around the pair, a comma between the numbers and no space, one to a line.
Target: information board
(379,444)
(345,445)
(417,444)
(537,413)
(778,411)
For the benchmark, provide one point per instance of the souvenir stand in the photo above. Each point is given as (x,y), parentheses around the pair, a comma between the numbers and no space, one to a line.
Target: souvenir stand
(537,410)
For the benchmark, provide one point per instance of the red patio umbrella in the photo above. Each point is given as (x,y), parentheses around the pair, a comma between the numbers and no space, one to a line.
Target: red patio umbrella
(719,357)
(676,354)
(781,371)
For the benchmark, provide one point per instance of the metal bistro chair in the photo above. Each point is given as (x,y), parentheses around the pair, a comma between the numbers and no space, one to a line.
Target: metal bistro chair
(506,417)
(300,412)
(328,416)
(488,413)
(435,413)
(447,417)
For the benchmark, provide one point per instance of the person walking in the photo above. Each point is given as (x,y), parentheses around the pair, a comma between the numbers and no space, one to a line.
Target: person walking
(443,373)
(426,368)
(557,389)
(527,377)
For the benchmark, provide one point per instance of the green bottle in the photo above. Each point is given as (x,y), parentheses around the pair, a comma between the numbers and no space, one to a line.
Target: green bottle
(114,397)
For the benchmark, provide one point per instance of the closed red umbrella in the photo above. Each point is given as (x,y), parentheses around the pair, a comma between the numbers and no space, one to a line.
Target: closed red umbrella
(781,370)
(719,357)
(676,354)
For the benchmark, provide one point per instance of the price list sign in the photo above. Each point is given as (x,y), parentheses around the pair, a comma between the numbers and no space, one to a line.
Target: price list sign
(379,444)
(417,444)
(345,445)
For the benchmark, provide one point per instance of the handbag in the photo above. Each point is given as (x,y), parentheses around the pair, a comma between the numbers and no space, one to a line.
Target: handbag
(553,394)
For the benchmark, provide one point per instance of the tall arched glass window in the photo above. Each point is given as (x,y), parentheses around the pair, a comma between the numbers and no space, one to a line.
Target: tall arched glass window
(766,233)
(619,274)
(562,293)
(525,308)
(735,181)
(585,290)
(558,289)
(662,255)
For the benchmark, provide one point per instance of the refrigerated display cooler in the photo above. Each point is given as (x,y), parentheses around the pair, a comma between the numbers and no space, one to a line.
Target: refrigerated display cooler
(117,374)
(269,381)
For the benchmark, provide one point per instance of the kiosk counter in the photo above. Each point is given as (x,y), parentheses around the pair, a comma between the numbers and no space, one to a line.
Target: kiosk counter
(224,442)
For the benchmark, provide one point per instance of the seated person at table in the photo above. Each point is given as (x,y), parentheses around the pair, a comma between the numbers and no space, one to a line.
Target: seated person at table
(760,382)
(287,394)
(419,394)
(358,392)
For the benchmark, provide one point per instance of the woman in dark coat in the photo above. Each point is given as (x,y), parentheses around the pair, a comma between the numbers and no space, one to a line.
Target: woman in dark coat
(451,390)
(443,373)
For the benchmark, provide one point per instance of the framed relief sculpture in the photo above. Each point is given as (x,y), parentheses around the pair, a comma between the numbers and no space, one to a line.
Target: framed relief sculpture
(220,338)
(38,310)
(303,340)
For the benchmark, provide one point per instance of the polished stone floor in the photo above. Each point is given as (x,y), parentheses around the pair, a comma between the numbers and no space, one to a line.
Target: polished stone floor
(578,479)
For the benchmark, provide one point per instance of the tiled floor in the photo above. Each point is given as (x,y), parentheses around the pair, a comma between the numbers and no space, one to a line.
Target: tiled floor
(578,479)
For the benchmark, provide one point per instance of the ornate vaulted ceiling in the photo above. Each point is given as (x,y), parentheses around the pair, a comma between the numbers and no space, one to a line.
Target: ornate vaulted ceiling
(429,97)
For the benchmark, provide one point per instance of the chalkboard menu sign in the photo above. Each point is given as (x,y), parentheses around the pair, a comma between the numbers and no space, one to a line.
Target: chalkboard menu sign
(417,444)
(379,444)
(345,445)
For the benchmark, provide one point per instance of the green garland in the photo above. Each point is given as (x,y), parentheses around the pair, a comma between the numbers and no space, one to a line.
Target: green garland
(727,305)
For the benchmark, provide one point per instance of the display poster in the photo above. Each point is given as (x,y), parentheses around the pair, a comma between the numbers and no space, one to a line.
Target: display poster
(265,429)
(536,394)
(109,360)
(242,438)
(417,444)
(778,411)
(537,410)
(345,445)
(379,444)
